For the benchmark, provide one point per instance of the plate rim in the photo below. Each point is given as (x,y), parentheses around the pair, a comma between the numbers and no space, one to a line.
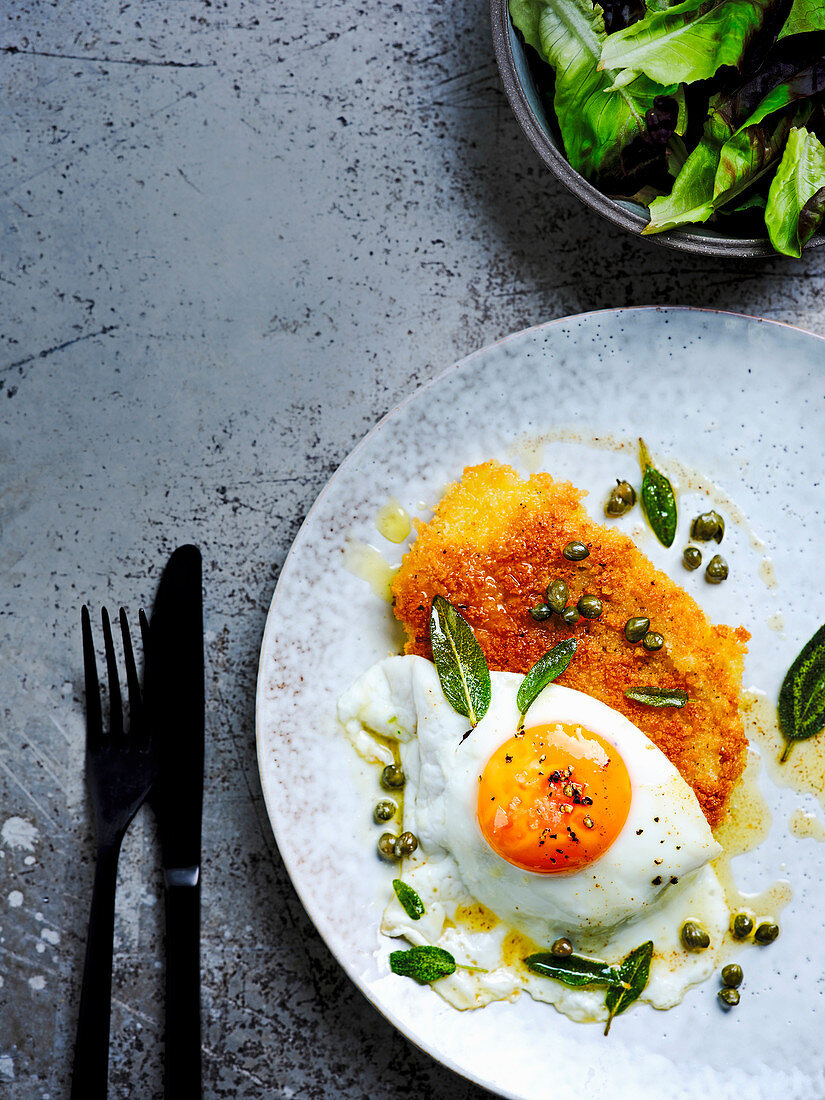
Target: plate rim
(269,801)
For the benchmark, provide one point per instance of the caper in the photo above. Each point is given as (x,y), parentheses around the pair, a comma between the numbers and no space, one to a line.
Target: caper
(405,845)
(732,975)
(653,641)
(590,606)
(541,612)
(621,499)
(709,525)
(766,932)
(636,628)
(386,846)
(384,810)
(717,570)
(741,926)
(728,997)
(571,615)
(691,557)
(576,551)
(392,777)
(557,595)
(693,936)
(562,948)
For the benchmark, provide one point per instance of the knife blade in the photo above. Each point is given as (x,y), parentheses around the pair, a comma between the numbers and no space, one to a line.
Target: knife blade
(175,686)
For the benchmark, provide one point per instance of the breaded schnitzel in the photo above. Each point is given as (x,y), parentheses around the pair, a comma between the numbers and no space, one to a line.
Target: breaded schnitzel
(492,547)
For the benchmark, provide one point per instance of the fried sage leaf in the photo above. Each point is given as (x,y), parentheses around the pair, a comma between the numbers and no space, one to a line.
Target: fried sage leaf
(802,695)
(423,964)
(410,902)
(544,672)
(459,661)
(688,41)
(657,697)
(658,500)
(634,973)
(575,970)
(796,200)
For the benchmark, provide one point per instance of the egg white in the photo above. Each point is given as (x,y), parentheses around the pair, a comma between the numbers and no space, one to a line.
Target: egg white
(606,908)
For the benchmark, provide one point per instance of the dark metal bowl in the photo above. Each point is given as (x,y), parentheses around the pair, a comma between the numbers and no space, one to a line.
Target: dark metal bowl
(520,89)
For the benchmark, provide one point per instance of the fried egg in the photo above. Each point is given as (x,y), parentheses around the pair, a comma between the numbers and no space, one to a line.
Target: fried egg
(575,826)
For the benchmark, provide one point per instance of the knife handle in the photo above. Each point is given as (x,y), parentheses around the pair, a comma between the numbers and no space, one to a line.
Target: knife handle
(182,1078)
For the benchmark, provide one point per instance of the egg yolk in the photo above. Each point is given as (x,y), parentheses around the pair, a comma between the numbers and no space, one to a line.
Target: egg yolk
(553,798)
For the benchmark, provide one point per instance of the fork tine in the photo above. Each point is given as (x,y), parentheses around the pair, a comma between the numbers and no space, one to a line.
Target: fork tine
(144,634)
(135,707)
(115,702)
(146,734)
(94,719)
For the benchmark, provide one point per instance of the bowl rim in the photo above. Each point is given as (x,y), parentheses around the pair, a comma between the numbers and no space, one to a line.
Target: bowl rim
(742,248)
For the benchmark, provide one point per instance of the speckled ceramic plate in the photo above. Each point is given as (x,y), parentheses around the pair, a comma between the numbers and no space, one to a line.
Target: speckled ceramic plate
(733,408)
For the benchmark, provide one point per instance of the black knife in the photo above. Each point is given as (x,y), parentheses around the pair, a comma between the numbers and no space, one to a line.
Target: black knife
(174,677)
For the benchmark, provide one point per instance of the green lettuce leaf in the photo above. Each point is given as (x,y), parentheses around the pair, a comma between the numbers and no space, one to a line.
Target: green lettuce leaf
(597,120)
(793,85)
(525,15)
(749,153)
(690,200)
(796,200)
(727,160)
(751,202)
(806,15)
(687,42)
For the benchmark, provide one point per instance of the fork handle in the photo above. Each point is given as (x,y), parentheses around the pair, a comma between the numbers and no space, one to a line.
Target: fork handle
(91,1056)
(182,1078)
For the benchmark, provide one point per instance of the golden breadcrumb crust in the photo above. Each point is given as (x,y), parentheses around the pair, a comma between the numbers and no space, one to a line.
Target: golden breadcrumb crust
(492,547)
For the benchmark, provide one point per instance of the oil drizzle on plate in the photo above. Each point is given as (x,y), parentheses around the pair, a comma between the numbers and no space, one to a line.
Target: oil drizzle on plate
(776,622)
(393,521)
(806,826)
(767,573)
(746,826)
(367,563)
(804,770)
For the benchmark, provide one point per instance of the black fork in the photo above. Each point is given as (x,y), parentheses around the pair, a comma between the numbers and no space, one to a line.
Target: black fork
(119,772)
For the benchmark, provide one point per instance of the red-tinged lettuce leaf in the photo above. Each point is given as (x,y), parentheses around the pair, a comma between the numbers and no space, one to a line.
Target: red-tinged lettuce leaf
(690,200)
(796,200)
(725,163)
(810,217)
(746,155)
(596,120)
(806,15)
(687,42)
(793,84)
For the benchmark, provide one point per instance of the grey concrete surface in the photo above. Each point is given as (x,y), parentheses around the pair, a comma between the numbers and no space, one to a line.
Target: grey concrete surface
(233,234)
